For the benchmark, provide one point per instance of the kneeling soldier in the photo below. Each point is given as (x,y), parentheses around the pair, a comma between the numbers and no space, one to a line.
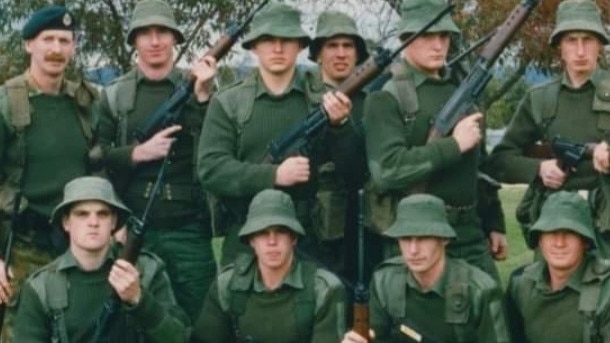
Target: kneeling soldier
(426,296)
(61,301)
(565,296)
(272,296)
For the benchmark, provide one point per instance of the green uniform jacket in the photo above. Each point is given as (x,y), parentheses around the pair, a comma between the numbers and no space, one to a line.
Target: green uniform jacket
(157,314)
(538,314)
(465,305)
(271,316)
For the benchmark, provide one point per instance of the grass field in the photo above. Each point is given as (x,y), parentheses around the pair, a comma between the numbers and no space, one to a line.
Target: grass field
(518,253)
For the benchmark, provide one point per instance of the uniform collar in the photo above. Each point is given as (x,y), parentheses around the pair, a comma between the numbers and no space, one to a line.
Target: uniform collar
(67,87)
(438,287)
(298,83)
(594,79)
(419,77)
(174,76)
(294,278)
(68,261)
(540,275)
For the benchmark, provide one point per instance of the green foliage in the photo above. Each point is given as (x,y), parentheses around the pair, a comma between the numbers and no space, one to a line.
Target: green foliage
(499,114)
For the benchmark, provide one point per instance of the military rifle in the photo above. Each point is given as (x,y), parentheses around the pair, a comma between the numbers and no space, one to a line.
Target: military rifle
(169,111)
(297,139)
(8,247)
(465,97)
(568,154)
(361,292)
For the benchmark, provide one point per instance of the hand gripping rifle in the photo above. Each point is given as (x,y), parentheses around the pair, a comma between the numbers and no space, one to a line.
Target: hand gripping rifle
(361,292)
(8,247)
(169,111)
(568,154)
(469,91)
(298,138)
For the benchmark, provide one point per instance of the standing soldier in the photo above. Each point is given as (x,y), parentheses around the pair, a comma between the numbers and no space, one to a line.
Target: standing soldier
(45,135)
(273,296)
(565,296)
(244,119)
(425,295)
(178,227)
(61,301)
(338,48)
(575,105)
(397,122)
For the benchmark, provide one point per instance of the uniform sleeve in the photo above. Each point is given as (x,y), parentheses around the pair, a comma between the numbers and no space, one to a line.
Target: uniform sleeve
(31,322)
(493,326)
(393,163)
(516,324)
(508,161)
(219,169)
(380,320)
(214,324)
(158,313)
(329,325)
(117,159)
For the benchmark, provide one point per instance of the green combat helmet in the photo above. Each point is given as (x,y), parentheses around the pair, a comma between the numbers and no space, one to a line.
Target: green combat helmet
(335,23)
(153,13)
(415,14)
(88,188)
(564,211)
(268,208)
(578,15)
(421,215)
(276,20)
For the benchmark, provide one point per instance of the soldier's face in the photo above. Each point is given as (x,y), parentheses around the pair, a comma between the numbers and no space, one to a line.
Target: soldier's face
(428,52)
(89,225)
(337,58)
(423,255)
(580,51)
(277,55)
(51,51)
(274,247)
(563,250)
(155,46)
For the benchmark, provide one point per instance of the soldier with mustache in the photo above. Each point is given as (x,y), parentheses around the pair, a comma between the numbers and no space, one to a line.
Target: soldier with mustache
(45,135)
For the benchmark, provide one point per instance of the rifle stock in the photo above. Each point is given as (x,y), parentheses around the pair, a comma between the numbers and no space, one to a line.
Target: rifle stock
(167,114)
(8,247)
(296,140)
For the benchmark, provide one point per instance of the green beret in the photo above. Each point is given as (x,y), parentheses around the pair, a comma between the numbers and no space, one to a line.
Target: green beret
(49,18)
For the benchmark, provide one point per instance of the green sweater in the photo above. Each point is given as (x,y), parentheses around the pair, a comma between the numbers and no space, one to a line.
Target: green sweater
(156,314)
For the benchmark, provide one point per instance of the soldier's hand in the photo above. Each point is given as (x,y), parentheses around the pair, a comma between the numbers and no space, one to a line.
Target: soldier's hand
(601,158)
(467,132)
(551,175)
(125,279)
(5,286)
(337,106)
(292,171)
(157,147)
(353,337)
(204,72)
(498,245)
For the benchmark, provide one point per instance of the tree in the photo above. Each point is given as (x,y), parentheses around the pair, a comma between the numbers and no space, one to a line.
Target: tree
(103,26)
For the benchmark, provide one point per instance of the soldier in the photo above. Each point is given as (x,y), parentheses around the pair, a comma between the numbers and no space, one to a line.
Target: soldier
(178,227)
(273,296)
(401,161)
(338,48)
(563,297)
(573,105)
(244,119)
(409,294)
(37,108)
(61,301)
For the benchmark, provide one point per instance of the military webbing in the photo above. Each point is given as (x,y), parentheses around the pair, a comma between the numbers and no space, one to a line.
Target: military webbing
(457,300)
(544,107)
(121,97)
(305,303)
(592,302)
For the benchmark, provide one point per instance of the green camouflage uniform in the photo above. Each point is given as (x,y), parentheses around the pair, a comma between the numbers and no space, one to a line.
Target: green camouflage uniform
(468,301)
(61,302)
(553,109)
(244,119)
(397,121)
(178,228)
(307,307)
(35,161)
(578,311)
(338,189)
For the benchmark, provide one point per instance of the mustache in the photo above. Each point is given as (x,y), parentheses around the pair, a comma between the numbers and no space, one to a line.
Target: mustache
(54,57)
